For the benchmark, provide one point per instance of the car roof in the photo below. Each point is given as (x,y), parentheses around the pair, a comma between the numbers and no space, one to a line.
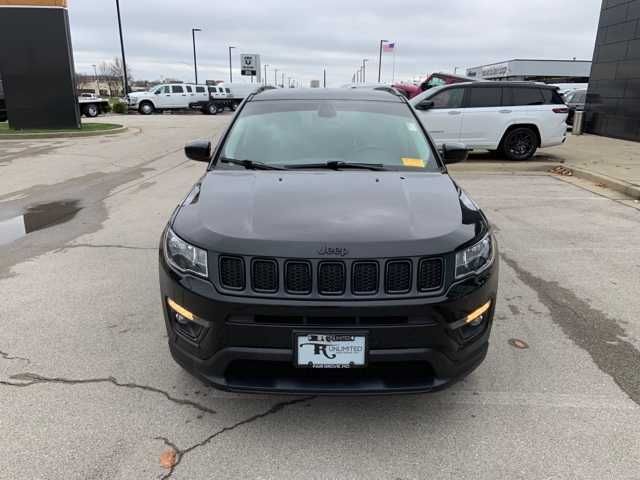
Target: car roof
(326,94)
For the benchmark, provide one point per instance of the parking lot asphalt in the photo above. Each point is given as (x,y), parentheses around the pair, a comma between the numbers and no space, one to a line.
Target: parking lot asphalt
(88,389)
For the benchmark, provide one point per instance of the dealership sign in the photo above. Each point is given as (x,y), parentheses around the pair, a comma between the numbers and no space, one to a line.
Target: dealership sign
(250,65)
(499,70)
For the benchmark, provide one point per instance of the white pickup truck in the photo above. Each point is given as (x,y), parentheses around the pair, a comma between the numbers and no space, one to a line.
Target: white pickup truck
(92,105)
(181,96)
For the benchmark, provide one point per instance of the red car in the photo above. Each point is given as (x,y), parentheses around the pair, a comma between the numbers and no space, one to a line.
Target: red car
(433,80)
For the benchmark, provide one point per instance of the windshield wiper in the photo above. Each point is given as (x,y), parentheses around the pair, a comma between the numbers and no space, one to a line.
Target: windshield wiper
(337,164)
(250,164)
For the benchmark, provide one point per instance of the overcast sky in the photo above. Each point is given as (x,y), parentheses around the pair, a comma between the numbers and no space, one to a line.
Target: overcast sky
(301,37)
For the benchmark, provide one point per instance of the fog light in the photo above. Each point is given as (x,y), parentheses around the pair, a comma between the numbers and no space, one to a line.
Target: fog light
(476,317)
(182,314)
(186,323)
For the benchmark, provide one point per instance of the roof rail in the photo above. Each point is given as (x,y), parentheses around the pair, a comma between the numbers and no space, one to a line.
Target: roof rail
(259,90)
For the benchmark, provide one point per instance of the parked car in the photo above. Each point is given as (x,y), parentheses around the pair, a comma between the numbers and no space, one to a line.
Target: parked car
(326,250)
(92,105)
(433,80)
(167,97)
(575,101)
(515,118)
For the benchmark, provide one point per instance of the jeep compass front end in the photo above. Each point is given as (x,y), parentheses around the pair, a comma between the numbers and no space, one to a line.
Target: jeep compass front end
(327,250)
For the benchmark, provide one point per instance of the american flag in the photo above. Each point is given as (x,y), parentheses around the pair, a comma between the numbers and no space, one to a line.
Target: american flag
(388,47)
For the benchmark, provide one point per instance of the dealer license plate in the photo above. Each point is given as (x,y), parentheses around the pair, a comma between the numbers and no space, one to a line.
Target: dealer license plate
(330,350)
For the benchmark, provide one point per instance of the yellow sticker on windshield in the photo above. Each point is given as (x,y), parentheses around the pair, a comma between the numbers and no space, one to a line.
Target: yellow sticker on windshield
(412,162)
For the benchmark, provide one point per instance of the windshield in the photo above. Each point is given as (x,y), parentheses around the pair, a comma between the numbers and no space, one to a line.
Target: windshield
(299,132)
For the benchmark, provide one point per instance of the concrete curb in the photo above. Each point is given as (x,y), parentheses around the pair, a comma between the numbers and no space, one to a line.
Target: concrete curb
(620,186)
(27,136)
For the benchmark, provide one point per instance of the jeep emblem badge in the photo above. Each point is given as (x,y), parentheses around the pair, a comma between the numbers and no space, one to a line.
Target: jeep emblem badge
(338,251)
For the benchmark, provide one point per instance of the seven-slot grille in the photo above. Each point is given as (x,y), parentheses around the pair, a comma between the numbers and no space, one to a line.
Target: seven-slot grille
(332,277)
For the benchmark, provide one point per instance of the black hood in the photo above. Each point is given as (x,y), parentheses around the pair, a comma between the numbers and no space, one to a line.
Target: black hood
(298,213)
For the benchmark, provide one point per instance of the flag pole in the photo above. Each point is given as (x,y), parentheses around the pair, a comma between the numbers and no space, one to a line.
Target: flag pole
(393,77)
(380,60)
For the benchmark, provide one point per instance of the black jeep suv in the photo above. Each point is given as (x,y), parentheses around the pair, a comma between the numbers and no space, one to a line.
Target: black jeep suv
(327,250)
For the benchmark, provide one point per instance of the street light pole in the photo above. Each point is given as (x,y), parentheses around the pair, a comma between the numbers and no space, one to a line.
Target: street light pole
(265,73)
(324,77)
(124,62)
(380,60)
(230,66)
(195,61)
(364,68)
(275,77)
(282,79)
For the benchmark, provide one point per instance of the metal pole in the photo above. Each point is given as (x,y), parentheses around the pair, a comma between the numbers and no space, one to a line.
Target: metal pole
(230,67)
(364,70)
(195,61)
(324,76)
(380,60)
(275,77)
(265,73)
(124,62)
(282,79)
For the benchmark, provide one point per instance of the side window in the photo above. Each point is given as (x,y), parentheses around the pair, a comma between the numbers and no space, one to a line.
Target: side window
(478,97)
(200,90)
(166,89)
(188,89)
(449,98)
(228,90)
(177,89)
(521,96)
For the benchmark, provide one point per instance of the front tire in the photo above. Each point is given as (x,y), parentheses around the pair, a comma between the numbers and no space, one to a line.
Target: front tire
(146,108)
(519,144)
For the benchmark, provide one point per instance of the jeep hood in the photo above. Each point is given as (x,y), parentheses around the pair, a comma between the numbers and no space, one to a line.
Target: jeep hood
(295,214)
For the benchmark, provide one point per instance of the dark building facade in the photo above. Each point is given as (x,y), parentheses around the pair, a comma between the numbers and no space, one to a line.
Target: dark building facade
(613,98)
(36,64)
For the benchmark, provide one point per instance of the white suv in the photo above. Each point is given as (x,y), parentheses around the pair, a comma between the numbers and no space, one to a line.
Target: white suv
(168,97)
(513,117)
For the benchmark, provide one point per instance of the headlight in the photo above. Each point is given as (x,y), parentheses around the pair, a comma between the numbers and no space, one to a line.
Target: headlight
(184,256)
(475,258)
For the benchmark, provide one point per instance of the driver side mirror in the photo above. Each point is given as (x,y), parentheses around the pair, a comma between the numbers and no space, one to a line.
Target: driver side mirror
(454,152)
(425,105)
(199,150)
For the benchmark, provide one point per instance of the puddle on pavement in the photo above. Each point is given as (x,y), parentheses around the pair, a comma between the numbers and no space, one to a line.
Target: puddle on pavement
(37,217)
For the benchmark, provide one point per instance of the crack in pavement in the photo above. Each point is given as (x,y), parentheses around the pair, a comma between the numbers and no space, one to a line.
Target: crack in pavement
(8,356)
(180,454)
(108,245)
(29,379)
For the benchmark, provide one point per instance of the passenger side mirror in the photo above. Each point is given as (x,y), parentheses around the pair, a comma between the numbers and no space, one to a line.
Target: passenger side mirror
(199,150)
(454,152)
(425,105)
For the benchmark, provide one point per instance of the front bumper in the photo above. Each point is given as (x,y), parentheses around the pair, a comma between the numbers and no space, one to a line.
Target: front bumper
(246,344)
